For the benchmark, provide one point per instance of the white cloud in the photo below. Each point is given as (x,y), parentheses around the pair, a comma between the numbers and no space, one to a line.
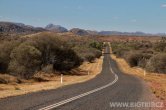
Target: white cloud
(163,5)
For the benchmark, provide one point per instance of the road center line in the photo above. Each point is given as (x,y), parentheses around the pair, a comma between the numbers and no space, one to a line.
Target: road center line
(82,95)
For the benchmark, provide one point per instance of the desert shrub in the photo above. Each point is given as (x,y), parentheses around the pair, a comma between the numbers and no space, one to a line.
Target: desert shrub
(57,52)
(157,63)
(145,58)
(25,60)
(90,58)
(86,53)
(97,53)
(120,52)
(131,45)
(97,45)
(133,58)
(160,46)
(5,79)
(119,48)
(142,54)
(65,60)
(5,49)
(47,51)
(47,44)
(48,68)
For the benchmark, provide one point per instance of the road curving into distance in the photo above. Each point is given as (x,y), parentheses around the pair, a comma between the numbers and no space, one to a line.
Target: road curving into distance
(110,86)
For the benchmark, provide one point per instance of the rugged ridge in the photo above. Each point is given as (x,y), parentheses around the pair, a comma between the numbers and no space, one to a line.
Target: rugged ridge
(18,28)
(56,28)
(78,31)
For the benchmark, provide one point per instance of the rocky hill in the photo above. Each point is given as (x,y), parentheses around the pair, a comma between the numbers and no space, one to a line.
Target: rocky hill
(56,28)
(10,30)
(78,31)
(18,28)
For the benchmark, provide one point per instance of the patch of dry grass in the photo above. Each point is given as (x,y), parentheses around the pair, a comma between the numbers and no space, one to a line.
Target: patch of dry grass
(157,82)
(77,76)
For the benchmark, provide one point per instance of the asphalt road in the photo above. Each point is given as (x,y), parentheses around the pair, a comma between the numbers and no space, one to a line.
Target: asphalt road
(109,87)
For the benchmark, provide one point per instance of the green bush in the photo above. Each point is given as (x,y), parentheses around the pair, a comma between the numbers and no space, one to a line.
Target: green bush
(86,53)
(65,60)
(57,52)
(25,60)
(47,44)
(157,63)
(145,58)
(90,58)
(25,56)
(133,58)
(97,53)
(120,52)
(160,46)
(97,45)
(6,47)
(142,54)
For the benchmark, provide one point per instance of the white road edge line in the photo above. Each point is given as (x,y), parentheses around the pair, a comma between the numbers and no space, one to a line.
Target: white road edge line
(81,95)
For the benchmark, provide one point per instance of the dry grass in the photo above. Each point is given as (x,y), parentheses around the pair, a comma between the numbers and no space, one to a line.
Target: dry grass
(78,75)
(157,82)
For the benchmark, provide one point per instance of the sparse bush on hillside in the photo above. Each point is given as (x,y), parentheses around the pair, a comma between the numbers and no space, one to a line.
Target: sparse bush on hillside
(25,60)
(157,63)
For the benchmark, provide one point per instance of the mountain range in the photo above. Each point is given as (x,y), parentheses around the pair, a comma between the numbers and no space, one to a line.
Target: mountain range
(20,28)
(12,28)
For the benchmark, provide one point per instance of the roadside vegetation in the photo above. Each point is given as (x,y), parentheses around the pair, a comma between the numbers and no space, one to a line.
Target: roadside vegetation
(46,52)
(150,56)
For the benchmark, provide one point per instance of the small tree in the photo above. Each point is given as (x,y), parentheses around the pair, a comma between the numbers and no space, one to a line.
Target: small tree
(160,46)
(157,63)
(133,58)
(90,58)
(25,60)
(6,47)
(65,60)
(97,45)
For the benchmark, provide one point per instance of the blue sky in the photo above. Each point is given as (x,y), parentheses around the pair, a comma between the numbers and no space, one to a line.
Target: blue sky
(118,15)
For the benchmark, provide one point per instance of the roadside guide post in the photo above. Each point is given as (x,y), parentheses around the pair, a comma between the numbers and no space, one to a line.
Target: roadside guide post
(61,78)
(144,68)
(88,71)
(144,72)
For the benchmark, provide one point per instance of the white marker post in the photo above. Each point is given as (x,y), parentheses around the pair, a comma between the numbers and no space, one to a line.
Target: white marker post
(88,72)
(144,68)
(61,78)
(144,73)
